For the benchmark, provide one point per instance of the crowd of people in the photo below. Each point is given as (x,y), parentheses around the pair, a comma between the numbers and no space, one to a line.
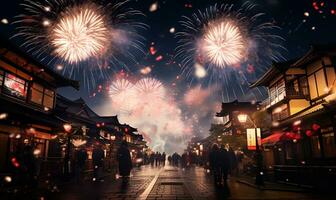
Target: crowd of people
(220,160)
(221,163)
(157,159)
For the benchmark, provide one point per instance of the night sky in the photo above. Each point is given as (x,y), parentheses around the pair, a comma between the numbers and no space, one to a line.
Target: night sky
(301,22)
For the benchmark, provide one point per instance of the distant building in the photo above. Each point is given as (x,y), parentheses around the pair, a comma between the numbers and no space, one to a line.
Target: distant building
(230,112)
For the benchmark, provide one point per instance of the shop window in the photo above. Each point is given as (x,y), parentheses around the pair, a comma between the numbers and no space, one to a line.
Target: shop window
(36,94)
(329,145)
(42,96)
(15,86)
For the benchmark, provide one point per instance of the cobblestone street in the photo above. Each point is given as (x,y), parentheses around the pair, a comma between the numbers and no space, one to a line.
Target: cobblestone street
(172,183)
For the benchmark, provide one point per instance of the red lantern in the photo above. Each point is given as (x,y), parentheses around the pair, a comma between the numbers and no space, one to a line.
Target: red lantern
(316,127)
(309,133)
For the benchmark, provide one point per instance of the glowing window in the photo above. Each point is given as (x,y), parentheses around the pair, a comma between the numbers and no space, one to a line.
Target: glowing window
(312,87)
(15,86)
(36,94)
(48,100)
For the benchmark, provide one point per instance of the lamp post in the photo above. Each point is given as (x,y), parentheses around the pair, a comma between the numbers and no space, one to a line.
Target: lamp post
(242,118)
(67,128)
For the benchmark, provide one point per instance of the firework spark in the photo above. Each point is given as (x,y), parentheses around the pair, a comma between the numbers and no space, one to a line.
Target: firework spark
(88,37)
(225,39)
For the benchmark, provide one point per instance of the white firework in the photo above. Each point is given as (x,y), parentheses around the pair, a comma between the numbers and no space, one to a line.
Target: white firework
(230,42)
(88,37)
(80,33)
(223,44)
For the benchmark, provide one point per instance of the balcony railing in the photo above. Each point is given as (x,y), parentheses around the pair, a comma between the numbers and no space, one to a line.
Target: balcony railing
(271,101)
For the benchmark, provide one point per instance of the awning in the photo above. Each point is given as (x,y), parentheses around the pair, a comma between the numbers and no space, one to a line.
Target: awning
(272,139)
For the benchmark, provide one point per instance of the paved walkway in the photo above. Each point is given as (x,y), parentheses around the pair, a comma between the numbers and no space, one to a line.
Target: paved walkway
(170,183)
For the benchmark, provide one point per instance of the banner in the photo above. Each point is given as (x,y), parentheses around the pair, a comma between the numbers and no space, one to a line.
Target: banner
(251,140)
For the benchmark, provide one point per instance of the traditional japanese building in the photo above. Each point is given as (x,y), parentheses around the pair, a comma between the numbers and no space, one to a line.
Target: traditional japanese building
(229,113)
(301,103)
(28,99)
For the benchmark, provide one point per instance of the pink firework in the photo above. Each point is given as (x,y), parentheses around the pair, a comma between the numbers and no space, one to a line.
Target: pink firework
(123,94)
(149,89)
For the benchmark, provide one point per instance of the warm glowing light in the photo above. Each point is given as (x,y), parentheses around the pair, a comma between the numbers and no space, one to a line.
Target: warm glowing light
(37,152)
(3,115)
(113,137)
(297,122)
(242,118)
(223,44)
(67,127)
(80,33)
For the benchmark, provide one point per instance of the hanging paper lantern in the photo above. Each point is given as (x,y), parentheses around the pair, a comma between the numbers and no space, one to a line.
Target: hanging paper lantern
(309,133)
(316,127)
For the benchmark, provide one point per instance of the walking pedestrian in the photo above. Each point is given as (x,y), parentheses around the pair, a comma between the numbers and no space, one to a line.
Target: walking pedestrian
(224,163)
(98,160)
(157,159)
(170,160)
(163,159)
(125,162)
(214,163)
(233,160)
(29,167)
(184,160)
(152,159)
(80,160)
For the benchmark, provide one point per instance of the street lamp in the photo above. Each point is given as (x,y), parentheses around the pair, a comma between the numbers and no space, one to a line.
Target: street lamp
(67,163)
(242,118)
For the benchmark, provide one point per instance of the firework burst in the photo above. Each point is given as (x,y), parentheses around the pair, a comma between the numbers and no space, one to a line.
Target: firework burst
(123,94)
(224,40)
(87,37)
(81,33)
(150,89)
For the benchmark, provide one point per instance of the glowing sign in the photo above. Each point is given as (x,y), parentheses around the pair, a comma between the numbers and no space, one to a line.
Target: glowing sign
(251,138)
